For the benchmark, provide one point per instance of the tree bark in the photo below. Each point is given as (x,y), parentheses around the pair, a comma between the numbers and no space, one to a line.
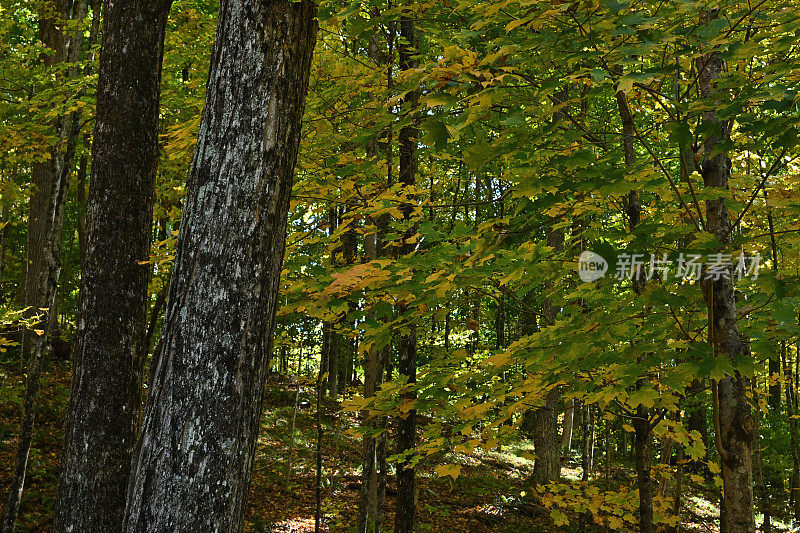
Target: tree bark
(407,349)
(642,458)
(543,421)
(735,423)
(106,386)
(193,466)
(4,225)
(42,262)
(643,438)
(791,411)
(544,429)
(566,428)
(368,509)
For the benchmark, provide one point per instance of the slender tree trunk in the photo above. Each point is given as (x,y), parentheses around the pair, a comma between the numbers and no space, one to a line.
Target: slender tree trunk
(193,466)
(333,362)
(584,517)
(641,424)
(607,459)
(40,282)
(4,224)
(385,358)
(107,382)
(592,427)
(80,200)
(794,442)
(447,331)
(407,350)
(368,509)
(758,468)
(324,355)
(500,324)
(677,496)
(697,419)
(735,423)
(331,355)
(642,458)
(318,480)
(566,428)
(774,364)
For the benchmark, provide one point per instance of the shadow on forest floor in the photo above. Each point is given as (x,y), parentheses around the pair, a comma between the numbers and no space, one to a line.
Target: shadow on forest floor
(488,496)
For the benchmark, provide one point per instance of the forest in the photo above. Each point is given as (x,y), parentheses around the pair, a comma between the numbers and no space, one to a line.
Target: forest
(395,265)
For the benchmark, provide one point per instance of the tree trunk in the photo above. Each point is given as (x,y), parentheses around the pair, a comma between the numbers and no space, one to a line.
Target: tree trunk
(331,354)
(758,468)
(318,478)
(407,350)
(544,420)
(735,423)
(80,200)
(584,517)
(544,429)
(333,362)
(106,387)
(791,411)
(697,409)
(643,438)
(193,466)
(369,509)
(642,457)
(566,429)
(4,224)
(40,282)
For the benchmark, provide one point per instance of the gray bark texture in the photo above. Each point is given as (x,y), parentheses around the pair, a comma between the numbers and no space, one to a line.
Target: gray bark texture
(193,467)
(735,422)
(106,384)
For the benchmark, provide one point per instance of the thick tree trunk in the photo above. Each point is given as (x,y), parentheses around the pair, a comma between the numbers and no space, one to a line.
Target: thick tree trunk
(106,385)
(735,423)
(544,429)
(407,349)
(192,469)
(543,421)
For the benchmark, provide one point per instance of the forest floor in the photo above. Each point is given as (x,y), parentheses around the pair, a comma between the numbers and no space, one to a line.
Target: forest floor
(484,498)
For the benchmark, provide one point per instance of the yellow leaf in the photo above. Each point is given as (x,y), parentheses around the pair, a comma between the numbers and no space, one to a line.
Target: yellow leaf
(407,405)
(448,470)
(514,24)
